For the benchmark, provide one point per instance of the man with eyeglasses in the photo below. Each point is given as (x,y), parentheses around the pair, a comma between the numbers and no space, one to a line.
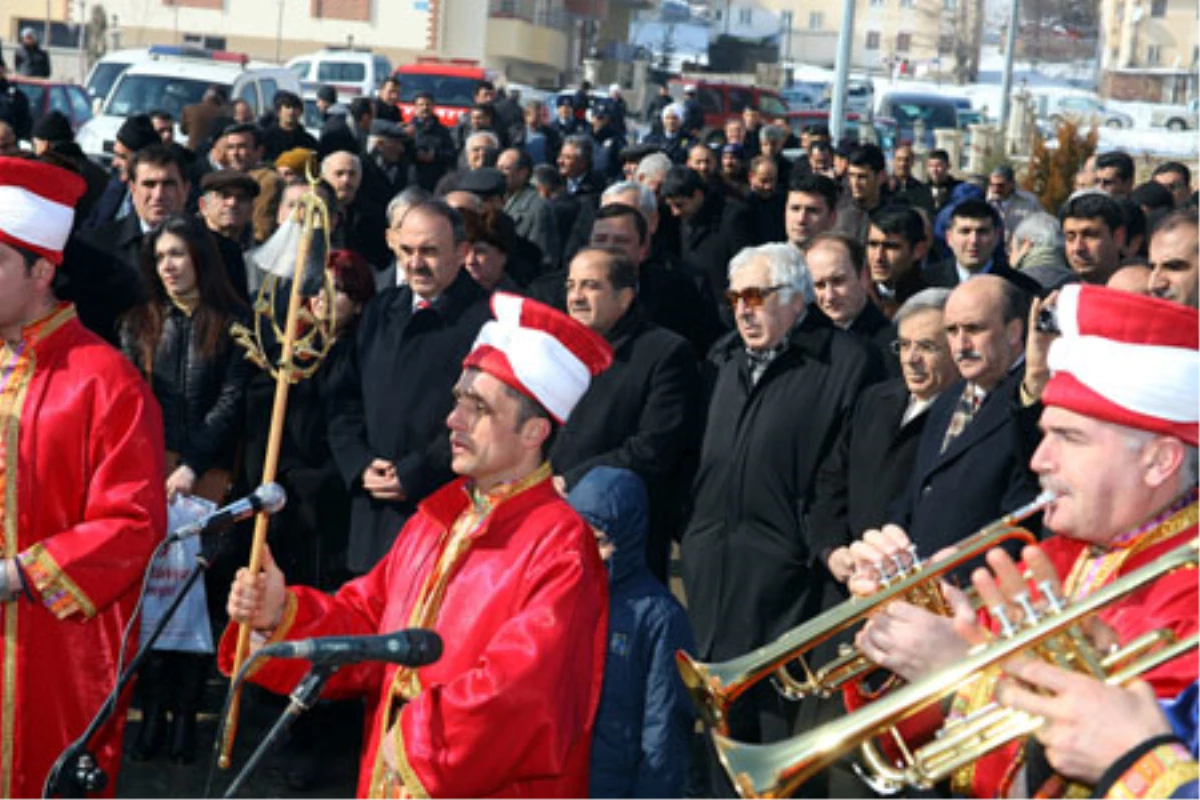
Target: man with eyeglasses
(968,471)
(782,384)
(874,457)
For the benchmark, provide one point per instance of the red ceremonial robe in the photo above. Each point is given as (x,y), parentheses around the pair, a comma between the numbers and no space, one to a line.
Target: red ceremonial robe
(508,710)
(83,505)
(1171,602)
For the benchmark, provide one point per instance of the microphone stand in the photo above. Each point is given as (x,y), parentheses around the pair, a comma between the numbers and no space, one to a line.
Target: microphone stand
(302,699)
(76,773)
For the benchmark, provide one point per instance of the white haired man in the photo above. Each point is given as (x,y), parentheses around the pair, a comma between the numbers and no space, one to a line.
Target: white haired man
(783,383)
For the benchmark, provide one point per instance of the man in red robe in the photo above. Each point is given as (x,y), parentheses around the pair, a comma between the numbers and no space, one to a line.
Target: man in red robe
(1120,431)
(82,501)
(499,565)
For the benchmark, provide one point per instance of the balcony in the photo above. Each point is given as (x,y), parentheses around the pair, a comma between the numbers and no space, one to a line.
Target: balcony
(530,31)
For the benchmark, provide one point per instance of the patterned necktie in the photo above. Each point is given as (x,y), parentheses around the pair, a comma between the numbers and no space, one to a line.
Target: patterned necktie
(964,412)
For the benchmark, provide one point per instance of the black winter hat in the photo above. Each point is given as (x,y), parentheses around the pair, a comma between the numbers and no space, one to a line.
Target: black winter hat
(54,127)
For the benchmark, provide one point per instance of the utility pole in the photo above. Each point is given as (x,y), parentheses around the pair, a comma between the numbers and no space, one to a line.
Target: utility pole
(279,34)
(1010,49)
(837,111)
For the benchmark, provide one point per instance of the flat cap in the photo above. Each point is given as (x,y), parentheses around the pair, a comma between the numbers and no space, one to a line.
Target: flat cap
(485,182)
(224,180)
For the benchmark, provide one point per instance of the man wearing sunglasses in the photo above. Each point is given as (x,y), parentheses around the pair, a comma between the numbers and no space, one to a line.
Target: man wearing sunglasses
(782,384)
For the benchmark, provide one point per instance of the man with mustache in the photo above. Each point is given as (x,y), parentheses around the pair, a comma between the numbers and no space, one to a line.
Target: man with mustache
(495,562)
(1175,258)
(968,471)
(1094,234)
(1121,458)
(390,399)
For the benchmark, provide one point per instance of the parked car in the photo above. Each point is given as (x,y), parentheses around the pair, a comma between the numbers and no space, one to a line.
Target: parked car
(885,127)
(860,96)
(104,73)
(1085,109)
(1176,118)
(935,110)
(724,101)
(803,95)
(451,81)
(351,71)
(171,81)
(47,95)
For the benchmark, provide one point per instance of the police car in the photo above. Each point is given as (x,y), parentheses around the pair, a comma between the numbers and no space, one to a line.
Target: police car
(175,77)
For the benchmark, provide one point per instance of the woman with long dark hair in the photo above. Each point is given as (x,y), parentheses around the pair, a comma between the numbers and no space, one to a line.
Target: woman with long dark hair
(179,338)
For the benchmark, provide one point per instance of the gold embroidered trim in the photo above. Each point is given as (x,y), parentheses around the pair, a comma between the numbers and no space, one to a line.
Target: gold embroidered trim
(454,544)
(969,699)
(59,593)
(407,773)
(1175,776)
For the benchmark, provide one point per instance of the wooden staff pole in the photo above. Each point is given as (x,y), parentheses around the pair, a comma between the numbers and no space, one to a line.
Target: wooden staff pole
(283,381)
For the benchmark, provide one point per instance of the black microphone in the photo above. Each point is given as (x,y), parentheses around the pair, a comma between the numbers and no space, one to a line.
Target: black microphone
(414,647)
(268,498)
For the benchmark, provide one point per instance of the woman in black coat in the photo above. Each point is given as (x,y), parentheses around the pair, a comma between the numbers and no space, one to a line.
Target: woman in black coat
(179,339)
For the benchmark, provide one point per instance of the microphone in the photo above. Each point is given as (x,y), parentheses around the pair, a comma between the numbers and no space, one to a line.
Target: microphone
(269,498)
(414,647)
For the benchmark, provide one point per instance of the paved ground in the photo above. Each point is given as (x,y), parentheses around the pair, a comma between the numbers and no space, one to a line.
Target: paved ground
(336,756)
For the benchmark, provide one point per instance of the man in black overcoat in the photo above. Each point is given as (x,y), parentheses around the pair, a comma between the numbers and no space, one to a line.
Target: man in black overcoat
(781,387)
(390,397)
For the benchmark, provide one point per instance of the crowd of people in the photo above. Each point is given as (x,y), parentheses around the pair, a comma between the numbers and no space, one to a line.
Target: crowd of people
(790,371)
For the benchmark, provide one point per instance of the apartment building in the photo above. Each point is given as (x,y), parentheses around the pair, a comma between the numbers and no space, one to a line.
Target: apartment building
(1149,49)
(531,41)
(936,37)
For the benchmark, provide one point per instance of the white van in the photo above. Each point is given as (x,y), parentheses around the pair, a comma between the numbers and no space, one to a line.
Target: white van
(353,72)
(171,82)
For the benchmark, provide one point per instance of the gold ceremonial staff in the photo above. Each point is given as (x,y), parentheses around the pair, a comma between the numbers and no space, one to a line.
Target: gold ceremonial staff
(301,353)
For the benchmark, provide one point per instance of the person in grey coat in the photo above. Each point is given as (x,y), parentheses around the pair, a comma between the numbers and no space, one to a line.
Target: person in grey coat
(529,211)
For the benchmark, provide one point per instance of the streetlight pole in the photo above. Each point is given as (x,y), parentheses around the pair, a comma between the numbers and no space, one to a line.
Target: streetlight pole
(1010,49)
(837,111)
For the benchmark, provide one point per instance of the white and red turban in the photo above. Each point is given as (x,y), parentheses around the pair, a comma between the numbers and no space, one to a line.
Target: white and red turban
(1127,359)
(542,353)
(37,205)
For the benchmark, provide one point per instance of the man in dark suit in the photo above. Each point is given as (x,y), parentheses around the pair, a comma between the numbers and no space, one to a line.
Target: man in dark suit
(838,267)
(103,266)
(643,413)
(968,471)
(391,395)
(872,463)
(712,229)
(974,237)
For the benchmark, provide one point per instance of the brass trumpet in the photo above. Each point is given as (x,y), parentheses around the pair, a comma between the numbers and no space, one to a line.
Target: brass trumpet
(714,687)
(777,770)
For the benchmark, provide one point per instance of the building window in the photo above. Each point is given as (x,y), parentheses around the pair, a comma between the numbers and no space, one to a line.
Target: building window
(1153,55)
(907,3)
(1158,8)
(350,10)
(903,42)
(948,5)
(745,16)
(876,3)
(816,20)
(946,44)
(873,40)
